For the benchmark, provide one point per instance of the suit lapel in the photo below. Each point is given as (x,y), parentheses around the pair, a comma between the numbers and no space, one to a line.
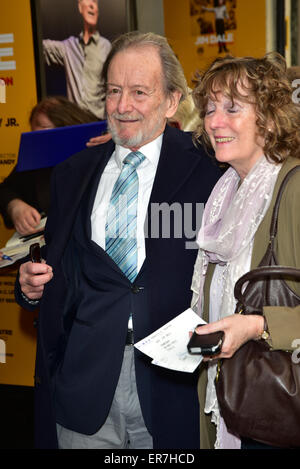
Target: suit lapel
(87,207)
(177,161)
(71,182)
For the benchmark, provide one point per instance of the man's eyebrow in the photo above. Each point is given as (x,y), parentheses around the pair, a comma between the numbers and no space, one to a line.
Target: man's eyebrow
(113,84)
(145,87)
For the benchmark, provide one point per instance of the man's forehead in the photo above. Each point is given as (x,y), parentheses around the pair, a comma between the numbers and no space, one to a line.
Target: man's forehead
(96,2)
(139,50)
(141,62)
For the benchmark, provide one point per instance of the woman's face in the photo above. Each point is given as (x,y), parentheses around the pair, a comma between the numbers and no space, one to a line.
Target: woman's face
(233,133)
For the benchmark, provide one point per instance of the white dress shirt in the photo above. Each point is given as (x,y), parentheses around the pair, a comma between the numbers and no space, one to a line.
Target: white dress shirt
(146,173)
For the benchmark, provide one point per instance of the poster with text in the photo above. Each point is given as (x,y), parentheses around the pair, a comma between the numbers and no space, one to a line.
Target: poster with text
(17,75)
(201,30)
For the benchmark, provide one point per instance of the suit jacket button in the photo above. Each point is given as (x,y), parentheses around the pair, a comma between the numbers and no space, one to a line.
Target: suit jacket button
(136,289)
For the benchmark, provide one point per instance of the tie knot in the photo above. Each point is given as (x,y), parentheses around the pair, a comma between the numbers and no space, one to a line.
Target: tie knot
(134,158)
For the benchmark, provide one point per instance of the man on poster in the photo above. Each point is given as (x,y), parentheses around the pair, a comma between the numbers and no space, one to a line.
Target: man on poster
(83,58)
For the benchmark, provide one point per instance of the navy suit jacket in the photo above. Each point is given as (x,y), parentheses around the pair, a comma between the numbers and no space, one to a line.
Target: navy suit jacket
(84,372)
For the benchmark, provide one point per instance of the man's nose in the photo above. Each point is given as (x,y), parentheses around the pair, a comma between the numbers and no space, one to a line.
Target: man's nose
(124,103)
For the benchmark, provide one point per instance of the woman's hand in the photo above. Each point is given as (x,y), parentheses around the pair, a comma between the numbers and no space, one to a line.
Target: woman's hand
(24,217)
(238,330)
(98,140)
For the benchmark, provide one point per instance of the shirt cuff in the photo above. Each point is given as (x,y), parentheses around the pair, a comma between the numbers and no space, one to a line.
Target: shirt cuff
(28,300)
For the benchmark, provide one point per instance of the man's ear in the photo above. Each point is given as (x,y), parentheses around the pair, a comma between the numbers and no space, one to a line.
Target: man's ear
(174,99)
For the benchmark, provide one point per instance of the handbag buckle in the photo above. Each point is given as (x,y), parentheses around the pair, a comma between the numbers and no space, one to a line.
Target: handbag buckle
(218,370)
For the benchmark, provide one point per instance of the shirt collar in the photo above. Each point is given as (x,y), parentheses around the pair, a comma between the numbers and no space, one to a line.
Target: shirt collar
(151,151)
(93,38)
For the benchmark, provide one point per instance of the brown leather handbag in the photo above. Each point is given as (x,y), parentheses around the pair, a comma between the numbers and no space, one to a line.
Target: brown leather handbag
(258,389)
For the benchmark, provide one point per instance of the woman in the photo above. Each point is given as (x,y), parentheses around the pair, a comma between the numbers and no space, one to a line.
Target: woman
(25,195)
(249,120)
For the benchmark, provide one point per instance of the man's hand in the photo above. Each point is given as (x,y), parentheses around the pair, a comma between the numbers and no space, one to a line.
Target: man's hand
(98,140)
(33,277)
(24,217)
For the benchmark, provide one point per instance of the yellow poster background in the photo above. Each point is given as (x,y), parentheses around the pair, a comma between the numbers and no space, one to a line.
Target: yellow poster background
(191,33)
(17,70)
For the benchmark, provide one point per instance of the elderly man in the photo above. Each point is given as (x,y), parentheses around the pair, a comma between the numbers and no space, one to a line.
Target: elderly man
(111,278)
(83,58)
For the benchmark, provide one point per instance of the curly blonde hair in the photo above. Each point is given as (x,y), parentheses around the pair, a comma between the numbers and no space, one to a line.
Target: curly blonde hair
(262,82)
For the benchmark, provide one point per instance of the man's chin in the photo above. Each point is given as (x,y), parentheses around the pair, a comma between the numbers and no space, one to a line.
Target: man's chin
(125,140)
(91,22)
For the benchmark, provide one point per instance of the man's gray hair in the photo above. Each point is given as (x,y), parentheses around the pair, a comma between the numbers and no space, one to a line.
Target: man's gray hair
(173,75)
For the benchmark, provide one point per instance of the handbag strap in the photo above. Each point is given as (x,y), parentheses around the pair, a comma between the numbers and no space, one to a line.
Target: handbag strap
(263,273)
(268,271)
(274,221)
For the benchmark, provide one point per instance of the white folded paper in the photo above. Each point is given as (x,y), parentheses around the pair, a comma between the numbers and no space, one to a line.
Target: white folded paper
(18,246)
(167,346)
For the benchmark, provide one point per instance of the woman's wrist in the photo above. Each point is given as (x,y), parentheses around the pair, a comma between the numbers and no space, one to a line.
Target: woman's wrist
(262,328)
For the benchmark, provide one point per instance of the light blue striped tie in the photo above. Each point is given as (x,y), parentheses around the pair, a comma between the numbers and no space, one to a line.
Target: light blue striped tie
(120,228)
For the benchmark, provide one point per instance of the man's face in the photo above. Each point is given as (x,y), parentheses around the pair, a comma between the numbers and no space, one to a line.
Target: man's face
(136,104)
(89,11)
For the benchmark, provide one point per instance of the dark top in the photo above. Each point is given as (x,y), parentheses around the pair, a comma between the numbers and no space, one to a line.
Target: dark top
(33,187)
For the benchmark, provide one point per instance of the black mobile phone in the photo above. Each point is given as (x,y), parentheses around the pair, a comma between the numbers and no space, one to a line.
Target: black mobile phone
(207,344)
(35,253)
